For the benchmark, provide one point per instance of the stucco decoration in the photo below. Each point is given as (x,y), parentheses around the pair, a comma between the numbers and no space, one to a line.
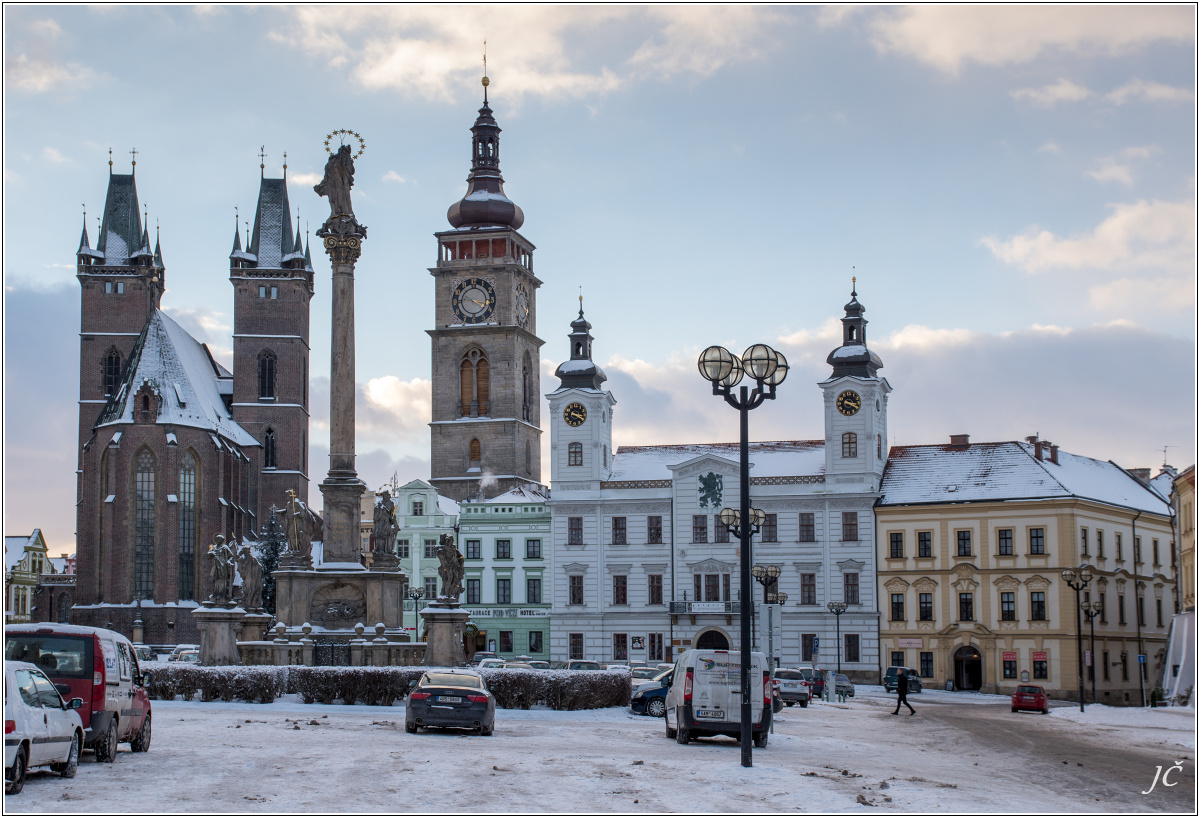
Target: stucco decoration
(896,585)
(711,566)
(1007,583)
(337,606)
(925,585)
(1037,583)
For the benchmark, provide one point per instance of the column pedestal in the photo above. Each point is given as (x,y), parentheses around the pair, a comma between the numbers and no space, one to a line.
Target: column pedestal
(445,623)
(254,627)
(219,631)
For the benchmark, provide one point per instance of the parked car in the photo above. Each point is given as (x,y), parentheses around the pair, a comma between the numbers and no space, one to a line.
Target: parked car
(98,666)
(40,729)
(517,665)
(483,654)
(618,667)
(843,685)
(188,657)
(893,672)
(793,688)
(650,698)
(578,664)
(174,655)
(1030,697)
(704,698)
(639,674)
(539,664)
(816,680)
(144,653)
(450,698)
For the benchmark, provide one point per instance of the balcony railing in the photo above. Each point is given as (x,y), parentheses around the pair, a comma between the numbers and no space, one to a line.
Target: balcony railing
(689,607)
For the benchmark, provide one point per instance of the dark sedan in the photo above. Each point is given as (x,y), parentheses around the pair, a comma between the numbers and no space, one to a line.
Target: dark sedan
(650,696)
(452,698)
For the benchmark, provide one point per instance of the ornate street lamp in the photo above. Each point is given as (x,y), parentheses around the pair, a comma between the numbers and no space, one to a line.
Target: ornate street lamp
(767,368)
(837,609)
(1091,610)
(414,594)
(1078,579)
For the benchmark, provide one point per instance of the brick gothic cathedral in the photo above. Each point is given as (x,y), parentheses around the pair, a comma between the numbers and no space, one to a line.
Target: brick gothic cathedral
(175,449)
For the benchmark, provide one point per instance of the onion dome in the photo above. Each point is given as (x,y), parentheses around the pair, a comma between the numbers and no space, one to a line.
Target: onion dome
(853,357)
(580,372)
(485,204)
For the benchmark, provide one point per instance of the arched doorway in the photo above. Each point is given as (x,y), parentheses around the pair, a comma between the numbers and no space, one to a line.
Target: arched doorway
(713,640)
(968,668)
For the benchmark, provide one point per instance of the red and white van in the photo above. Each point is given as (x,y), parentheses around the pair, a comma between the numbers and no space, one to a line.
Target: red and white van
(98,666)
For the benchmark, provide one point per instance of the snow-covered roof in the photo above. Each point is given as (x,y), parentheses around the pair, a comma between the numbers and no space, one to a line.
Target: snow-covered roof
(1164,482)
(778,458)
(59,564)
(14,550)
(1006,471)
(447,506)
(185,377)
(520,494)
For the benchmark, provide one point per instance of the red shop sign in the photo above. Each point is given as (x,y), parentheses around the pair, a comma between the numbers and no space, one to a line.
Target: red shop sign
(1039,656)
(1010,656)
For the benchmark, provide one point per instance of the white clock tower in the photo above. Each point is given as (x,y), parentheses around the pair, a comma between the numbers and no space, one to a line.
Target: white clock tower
(581,412)
(855,407)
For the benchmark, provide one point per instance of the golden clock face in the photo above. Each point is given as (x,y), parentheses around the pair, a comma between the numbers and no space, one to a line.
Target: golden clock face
(848,403)
(575,414)
(522,307)
(473,300)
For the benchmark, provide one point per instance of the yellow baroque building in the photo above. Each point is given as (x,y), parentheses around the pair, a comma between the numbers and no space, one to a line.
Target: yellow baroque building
(972,540)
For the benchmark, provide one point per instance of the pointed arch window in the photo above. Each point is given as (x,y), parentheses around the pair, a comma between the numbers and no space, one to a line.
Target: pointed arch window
(849,444)
(269,449)
(144,529)
(112,372)
(476,452)
(266,375)
(528,458)
(525,387)
(187,527)
(474,384)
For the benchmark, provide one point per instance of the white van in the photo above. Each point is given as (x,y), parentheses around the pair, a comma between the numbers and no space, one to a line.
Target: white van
(705,696)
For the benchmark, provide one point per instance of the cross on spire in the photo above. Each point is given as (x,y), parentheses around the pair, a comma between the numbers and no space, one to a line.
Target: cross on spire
(133,152)
(262,159)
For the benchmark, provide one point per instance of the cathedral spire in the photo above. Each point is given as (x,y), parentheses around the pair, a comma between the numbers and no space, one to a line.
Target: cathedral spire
(158,260)
(485,204)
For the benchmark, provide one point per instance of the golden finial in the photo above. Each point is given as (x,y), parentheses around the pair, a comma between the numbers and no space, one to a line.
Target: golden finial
(262,159)
(285,164)
(486,81)
(110,160)
(133,152)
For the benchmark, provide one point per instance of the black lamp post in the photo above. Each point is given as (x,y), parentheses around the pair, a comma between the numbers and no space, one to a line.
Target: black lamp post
(765,575)
(1091,610)
(1078,579)
(725,370)
(837,609)
(414,594)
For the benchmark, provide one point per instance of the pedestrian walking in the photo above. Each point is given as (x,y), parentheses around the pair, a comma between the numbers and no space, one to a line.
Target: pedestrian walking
(902,694)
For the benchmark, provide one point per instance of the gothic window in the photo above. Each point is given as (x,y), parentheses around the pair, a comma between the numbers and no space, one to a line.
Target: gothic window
(304,382)
(574,454)
(269,449)
(849,444)
(528,458)
(187,527)
(143,543)
(266,375)
(112,371)
(476,452)
(474,380)
(303,450)
(525,390)
(482,383)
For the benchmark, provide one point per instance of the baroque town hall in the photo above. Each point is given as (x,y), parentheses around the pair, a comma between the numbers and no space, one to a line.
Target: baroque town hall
(174,449)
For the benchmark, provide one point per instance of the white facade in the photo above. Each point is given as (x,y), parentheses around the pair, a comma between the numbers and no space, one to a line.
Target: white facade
(422,517)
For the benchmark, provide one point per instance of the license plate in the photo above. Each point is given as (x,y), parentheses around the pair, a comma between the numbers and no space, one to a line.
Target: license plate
(449,698)
(710,714)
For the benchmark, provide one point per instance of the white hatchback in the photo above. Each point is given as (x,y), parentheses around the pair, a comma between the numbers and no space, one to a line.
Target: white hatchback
(40,729)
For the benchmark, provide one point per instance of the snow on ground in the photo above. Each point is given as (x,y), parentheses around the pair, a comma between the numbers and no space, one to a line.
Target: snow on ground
(830,757)
(1181,721)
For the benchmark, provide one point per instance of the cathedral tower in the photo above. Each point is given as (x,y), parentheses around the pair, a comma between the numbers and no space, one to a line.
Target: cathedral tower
(486,354)
(273,284)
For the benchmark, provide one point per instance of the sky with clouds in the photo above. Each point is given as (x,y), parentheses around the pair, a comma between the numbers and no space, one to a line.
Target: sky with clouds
(1014,188)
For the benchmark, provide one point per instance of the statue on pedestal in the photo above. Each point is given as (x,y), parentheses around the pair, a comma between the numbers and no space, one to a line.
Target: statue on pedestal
(339,178)
(450,569)
(252,578)
(297,529)
(221,556)
(385,526)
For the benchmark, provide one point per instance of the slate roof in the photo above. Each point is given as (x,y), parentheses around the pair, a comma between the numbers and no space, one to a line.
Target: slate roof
(983,472)
(185,376)
(272,238)
(121,230)
(778,458)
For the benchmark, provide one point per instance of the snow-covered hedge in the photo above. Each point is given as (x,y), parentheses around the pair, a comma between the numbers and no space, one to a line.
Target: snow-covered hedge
(513,688)
(250,684)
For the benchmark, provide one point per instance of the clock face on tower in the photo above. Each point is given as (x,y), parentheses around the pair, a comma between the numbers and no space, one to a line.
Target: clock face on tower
(848,403)
(575,414)
(522,307)
(473,301)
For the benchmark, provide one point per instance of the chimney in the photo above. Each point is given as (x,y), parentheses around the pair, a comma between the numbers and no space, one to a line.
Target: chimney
(1143,475)
(1037,448)
(960,440)
(1053,453)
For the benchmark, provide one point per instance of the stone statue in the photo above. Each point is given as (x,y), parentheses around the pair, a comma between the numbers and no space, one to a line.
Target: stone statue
(451,568)
(384,529)
(296,526)
(252,578)
(221,557)
(339,178)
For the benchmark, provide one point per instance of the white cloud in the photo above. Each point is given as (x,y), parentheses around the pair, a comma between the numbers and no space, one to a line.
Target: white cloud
(305,178)
(1114,169)
(52,155)
(947,36)
(37,75)
(434,51)
(1049,147)
(392,176)
(1141,90)
(1046,97)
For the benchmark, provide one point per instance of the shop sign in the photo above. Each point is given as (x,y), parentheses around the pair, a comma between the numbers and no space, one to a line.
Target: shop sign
(1010,656)
(1039,656)
(910,643)
(484,613)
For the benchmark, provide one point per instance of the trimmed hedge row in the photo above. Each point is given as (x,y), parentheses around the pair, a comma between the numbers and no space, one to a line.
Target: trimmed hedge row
(513,688)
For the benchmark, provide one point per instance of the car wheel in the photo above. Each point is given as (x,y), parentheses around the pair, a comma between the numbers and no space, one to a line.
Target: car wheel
(106,750)
(804,703)
(410,728)
(487,731)
(1014,710)
(760,739)
(682,736)
(1045,711)
(71,766)
(788,704)
(141,742)
(15,775)
(656,707)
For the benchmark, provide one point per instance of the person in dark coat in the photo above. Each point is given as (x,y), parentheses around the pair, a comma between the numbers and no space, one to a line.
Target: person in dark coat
(902,694)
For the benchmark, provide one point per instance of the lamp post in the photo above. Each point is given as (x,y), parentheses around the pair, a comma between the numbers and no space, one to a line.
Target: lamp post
(1091,610)
(764,575)
(767,368)
(837,609)
(414,594)
(1078,579)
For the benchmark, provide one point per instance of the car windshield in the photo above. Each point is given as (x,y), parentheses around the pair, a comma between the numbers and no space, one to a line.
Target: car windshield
(58,656)
(788,674)
(451,680)
(841,677)
(1028,689)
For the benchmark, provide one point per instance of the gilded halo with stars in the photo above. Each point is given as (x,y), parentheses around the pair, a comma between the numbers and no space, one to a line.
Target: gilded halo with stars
(362,144)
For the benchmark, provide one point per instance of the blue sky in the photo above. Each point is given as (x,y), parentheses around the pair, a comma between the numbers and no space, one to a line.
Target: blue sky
(1014,188)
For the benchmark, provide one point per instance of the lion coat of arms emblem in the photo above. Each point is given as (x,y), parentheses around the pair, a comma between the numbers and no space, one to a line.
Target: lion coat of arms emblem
(711,487)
